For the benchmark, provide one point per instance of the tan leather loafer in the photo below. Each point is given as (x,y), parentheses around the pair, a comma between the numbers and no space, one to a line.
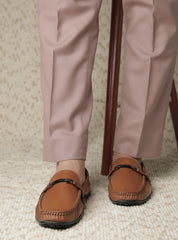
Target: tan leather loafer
(128,184)
(62,202)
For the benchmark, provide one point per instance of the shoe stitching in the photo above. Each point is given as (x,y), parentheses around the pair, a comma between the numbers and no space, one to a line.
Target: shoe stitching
(139,194)
(57,213)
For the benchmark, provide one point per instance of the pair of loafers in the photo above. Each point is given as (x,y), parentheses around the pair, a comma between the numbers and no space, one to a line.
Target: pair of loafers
(62,202)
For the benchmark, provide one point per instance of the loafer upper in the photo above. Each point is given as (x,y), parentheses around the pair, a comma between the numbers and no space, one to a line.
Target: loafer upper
(63,199)
(128,180)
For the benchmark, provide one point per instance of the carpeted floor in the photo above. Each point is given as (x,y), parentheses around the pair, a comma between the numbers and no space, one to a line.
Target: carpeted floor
(23,174)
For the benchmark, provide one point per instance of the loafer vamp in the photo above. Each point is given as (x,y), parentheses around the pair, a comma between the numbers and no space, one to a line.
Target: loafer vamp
(125,180)
(128,182)
(62,197)
(63,203)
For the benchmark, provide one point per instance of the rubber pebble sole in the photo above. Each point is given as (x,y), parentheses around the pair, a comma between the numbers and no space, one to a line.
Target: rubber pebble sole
(62,225)
(129,203)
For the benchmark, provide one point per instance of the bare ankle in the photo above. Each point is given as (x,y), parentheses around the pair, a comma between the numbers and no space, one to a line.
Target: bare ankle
(117,155)
(76,165)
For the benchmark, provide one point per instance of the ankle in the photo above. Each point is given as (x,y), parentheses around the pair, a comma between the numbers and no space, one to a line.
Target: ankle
(76,165)
(117,155)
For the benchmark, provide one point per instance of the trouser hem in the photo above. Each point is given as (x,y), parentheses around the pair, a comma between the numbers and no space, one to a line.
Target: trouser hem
(138,155)
(65,148)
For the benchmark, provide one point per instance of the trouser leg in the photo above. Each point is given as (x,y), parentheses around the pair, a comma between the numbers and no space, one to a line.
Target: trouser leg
(68,38)
(150,46)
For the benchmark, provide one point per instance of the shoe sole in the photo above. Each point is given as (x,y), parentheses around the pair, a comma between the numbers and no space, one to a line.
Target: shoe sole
(129,203)
(62,225)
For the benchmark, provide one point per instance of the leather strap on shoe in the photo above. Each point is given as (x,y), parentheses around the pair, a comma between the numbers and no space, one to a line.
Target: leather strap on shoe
(67,180)
(127,166)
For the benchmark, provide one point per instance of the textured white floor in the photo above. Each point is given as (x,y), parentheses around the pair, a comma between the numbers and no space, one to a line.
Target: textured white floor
(23,174)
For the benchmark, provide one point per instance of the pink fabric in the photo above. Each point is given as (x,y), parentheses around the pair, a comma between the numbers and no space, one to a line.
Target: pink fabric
(68,40)
(150,46)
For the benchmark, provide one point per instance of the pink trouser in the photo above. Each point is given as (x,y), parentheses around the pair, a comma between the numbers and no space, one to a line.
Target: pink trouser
(68,40)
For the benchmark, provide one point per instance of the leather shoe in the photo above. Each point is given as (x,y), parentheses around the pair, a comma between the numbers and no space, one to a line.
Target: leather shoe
(62,202)
(128,183)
